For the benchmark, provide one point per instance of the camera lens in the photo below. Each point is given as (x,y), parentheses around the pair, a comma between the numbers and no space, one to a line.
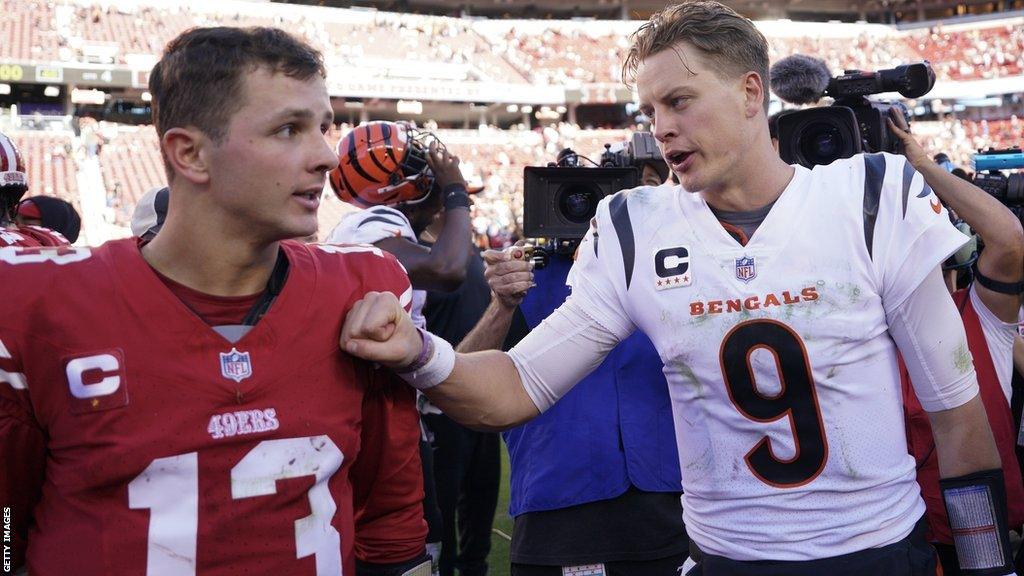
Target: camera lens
(578,203)
(821,144)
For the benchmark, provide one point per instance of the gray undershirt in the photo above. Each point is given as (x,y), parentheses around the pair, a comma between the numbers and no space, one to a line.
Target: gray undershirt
(747,221)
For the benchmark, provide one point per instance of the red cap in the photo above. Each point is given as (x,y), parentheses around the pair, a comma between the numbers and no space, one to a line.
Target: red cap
(28,209)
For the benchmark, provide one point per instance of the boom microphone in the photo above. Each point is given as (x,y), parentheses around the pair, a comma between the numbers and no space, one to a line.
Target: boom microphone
(800,79)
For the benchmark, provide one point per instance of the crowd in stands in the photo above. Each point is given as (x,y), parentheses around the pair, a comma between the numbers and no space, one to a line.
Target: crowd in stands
(389,45)
(130,163)
(565,57)
(979,53)
(960,139)
(384,45)
(400,45)
(51,163)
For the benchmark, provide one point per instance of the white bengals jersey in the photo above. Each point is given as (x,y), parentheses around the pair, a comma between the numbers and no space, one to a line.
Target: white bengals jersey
(373,225)
(781,370)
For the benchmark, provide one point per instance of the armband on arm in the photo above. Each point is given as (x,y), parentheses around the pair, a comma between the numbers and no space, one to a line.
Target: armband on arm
(434,364)
(976,506)
(1011,288)
(455,197)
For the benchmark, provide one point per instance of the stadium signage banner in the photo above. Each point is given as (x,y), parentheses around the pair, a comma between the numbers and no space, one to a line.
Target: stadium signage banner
(12,72)
(598,94)
(49,74)
(118,77)
(444,91)
(87,75)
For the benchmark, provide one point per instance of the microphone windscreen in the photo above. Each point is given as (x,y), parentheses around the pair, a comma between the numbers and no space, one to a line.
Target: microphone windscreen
(800,79)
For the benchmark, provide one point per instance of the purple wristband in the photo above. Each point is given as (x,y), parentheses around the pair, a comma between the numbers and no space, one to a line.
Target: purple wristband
(426,353)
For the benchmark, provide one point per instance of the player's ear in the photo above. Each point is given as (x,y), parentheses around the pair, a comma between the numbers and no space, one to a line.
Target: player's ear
(183,149)
(753,94)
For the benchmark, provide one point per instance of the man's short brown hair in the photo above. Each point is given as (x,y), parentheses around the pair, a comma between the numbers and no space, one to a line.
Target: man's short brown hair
(198,80)
(731,44)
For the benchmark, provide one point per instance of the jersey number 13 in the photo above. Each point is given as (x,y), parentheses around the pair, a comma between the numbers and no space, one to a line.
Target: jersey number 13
(169,488)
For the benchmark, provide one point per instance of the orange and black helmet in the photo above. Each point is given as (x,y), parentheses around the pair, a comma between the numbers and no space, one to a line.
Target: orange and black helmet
(382,163)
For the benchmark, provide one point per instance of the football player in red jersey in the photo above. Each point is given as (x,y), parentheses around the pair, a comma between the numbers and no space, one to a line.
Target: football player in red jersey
(13,185)
(180,407)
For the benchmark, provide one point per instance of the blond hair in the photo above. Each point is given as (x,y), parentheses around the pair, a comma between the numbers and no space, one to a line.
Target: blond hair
(730,44)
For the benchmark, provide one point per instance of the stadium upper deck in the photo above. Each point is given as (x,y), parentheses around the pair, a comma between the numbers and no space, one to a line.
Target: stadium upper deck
(535,57)
(489,62)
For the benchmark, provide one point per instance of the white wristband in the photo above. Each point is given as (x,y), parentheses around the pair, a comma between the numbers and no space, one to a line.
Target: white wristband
(437,369)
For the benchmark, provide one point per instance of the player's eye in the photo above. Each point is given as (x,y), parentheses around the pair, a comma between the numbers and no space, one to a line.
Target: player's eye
(288,130)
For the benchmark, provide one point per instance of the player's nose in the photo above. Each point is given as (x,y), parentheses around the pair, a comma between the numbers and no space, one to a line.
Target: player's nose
(664,130)
(323,156)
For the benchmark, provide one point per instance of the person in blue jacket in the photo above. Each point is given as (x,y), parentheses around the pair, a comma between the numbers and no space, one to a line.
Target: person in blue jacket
(595,482)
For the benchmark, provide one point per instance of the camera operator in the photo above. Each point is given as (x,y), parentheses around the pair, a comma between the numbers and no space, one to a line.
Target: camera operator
(989,306)
(613,506)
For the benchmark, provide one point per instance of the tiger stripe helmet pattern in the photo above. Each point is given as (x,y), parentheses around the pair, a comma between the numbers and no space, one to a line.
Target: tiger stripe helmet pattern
(382,163)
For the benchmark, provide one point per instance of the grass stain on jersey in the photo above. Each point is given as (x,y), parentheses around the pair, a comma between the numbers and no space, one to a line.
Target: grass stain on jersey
(854,294)
(850,470)
(688,375)
(701,462)
(639,196)
(698,320)
(962,359)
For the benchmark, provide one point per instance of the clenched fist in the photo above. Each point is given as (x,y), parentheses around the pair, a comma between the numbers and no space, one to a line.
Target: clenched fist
(378,329)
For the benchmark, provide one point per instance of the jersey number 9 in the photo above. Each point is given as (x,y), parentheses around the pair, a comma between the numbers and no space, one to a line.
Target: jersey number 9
(797,401)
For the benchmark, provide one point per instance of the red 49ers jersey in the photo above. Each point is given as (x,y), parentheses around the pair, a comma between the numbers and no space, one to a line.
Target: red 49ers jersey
(171,451)
(31,236)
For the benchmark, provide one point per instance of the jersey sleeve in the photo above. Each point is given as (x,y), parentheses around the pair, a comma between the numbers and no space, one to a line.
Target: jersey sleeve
(930,335)
(31,236)
(22,444)
(10,237)
(387,476)
(907,230)
(45,236)
(392,277)
(375,269)
(371,226)
(603,269)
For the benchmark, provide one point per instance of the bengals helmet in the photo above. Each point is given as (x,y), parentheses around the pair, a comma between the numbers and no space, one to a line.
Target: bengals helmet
(383,163)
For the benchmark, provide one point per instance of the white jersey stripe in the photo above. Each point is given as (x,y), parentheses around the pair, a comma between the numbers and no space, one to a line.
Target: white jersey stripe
(15,379)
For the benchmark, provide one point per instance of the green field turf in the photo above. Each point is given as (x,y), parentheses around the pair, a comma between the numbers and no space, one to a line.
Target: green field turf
(502,530)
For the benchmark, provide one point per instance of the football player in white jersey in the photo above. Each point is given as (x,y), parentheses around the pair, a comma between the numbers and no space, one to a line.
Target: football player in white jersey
(402,179)
(777,298)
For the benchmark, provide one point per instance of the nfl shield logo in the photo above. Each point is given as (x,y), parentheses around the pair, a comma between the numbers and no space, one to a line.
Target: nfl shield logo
(235,365)
(745,269)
